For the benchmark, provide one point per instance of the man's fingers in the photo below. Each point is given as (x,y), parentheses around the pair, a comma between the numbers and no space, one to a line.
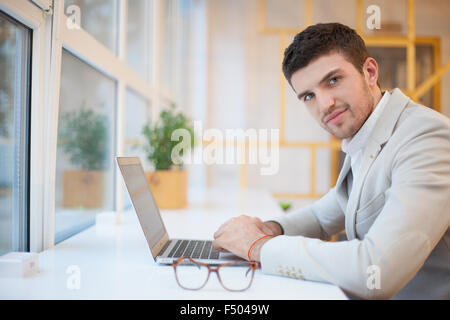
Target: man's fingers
(219,231)
(222,228)
(217,246)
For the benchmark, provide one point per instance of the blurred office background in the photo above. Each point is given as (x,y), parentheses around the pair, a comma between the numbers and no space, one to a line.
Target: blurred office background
(218,61)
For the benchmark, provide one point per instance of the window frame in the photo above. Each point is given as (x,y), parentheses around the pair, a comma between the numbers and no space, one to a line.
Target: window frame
(32,17)
(50,34)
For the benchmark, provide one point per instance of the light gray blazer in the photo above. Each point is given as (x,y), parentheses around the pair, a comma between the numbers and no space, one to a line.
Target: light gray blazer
(396,220)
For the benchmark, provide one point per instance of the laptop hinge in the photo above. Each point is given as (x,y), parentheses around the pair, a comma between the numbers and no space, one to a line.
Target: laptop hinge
(156,249)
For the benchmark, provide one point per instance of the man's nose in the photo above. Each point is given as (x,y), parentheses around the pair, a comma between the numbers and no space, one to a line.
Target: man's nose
(326,103)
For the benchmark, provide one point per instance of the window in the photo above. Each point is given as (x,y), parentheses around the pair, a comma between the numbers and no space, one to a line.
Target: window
(168,45)
(68,110)
(99,18)
(84,164)
(139,32)
(136,117)
(15,59)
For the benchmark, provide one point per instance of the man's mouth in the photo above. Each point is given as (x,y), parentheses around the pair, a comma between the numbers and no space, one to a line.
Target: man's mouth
(335,117)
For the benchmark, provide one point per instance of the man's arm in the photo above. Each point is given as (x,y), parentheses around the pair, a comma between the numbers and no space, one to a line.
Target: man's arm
(321,219)
(312,221)
(414,218)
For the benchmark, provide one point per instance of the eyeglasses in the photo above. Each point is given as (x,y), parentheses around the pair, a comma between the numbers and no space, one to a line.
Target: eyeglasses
(193,275)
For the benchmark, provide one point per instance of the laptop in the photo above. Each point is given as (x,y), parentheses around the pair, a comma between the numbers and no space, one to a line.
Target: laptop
(163,249)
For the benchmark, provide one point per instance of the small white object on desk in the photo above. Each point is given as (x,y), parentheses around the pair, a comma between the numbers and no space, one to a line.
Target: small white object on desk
(19,264)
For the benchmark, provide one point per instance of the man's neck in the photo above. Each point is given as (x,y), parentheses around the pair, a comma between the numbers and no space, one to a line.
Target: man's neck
(377,95)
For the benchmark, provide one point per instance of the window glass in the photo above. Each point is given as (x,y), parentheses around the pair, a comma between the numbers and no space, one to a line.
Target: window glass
(136,117)
(182,54)
(168,41)
(98,17)
(85,162)
(139,31)
(14,130)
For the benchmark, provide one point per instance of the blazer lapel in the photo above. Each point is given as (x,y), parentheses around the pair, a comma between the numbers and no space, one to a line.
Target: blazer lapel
(381,133)
(344,171)
(341,187)
(369,156)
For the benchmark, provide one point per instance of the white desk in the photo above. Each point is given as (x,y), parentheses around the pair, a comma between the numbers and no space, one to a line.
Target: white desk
(115,263)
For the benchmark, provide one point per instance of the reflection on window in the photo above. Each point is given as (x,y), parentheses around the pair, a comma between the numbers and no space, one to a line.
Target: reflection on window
(14,127)
(137,115)
(99,18)
(84,166)
(139,31)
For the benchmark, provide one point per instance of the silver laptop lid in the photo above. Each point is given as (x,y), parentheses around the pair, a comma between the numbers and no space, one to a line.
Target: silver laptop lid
(144,203)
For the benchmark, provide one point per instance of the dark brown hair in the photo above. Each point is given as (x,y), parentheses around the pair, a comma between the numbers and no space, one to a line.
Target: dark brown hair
(321,39)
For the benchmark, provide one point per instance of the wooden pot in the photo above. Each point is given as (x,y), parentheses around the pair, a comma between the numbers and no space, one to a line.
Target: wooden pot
(169,187)
(83,188)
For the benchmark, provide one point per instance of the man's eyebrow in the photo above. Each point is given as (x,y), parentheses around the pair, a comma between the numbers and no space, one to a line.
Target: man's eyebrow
(328,75)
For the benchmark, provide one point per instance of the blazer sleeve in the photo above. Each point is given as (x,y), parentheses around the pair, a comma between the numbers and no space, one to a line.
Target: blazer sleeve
(414,218)
(321,219)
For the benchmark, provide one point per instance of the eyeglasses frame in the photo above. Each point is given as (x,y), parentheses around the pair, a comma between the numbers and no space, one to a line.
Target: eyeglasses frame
(252,264)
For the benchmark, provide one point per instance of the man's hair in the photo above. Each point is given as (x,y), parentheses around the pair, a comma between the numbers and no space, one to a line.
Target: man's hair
(321,39)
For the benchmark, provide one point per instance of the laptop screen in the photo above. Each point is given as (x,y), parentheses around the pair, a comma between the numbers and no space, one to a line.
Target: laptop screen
(142,199)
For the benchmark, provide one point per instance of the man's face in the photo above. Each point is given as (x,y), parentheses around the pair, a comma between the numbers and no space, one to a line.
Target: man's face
(335,94)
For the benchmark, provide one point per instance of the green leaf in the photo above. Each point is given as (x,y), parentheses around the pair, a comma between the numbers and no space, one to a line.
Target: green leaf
(158,146)
(285,205)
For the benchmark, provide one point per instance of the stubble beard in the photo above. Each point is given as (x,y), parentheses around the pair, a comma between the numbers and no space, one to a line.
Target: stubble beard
(354,121)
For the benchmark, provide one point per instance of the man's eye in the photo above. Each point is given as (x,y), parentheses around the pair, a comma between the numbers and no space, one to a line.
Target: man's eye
(308,96)
(333,80)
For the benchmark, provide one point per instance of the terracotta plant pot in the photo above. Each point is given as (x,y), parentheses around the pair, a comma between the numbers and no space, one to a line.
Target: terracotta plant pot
(83,188)
(169,187)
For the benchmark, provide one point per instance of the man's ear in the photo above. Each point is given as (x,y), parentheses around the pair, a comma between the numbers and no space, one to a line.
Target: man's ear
(370,69)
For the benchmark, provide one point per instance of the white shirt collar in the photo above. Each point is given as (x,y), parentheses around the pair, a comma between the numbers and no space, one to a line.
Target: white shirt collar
(359,140)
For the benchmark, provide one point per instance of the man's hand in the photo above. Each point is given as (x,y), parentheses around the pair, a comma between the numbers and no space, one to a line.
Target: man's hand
(238,234)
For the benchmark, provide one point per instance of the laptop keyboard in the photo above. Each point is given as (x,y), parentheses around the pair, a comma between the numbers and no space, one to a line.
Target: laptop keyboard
(196,249)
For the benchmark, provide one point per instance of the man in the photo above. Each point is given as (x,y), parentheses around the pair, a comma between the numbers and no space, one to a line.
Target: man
(392,194)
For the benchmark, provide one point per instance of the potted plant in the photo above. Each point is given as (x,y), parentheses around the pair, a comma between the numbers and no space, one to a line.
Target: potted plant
(168,181)
(83,136)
